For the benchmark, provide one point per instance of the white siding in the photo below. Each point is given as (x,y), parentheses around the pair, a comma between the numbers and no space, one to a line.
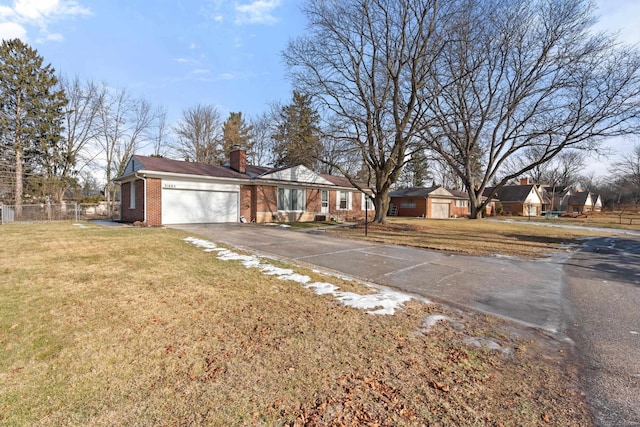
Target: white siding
(297,174)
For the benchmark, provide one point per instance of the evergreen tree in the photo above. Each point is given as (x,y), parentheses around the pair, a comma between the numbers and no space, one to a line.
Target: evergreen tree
(31,112)
(235,131)
(297,135)
(418,170)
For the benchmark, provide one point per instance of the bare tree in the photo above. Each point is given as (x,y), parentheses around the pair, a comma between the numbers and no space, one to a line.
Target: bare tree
(80,128)
(160,133)
(124,124)
(628,176)
(262,144)
(564,170)
(444,175)
(523,74)
(199,134)
(367,62)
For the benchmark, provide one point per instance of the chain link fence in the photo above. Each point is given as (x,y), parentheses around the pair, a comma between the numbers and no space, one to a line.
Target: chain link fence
(58,212)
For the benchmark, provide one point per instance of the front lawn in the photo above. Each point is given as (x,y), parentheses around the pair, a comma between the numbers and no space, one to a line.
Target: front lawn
(136,326)
(472,237)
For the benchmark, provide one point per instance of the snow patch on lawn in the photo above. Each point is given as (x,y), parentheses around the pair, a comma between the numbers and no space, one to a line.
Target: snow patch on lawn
(430,321)
(383,302)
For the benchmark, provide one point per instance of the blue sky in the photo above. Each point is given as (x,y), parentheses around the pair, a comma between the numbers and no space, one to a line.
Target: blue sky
(175,53)
(180,53)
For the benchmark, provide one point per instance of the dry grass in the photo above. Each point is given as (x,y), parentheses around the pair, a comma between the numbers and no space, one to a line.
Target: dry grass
(627,220)
(104,326)
(473,237)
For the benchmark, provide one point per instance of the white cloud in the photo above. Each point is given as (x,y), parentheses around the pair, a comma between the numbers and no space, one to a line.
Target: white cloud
(12,30)
(620,17)
(257,12)
(16,20)
(35,9)
(5,11)
(181,60)
(54,37)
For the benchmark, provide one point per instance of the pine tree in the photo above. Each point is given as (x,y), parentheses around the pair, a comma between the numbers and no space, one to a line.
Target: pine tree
(297,135)
(235,131)
(30,111)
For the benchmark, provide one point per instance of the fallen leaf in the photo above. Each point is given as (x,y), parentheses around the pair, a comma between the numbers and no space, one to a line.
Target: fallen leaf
(440,386)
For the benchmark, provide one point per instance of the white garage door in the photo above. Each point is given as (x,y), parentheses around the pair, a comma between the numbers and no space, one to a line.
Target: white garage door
(182,206)
(440,210)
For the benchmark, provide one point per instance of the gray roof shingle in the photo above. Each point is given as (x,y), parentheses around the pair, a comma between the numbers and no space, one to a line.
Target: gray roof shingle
(160,164)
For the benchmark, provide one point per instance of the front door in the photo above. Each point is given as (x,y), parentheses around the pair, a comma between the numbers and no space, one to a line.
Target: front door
(325,202)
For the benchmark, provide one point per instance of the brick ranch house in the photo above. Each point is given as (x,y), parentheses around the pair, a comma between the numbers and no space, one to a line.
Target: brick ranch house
(429,202)
(525,199)
(159,191)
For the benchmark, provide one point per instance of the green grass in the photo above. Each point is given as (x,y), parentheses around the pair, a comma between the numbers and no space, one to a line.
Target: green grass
(134,326)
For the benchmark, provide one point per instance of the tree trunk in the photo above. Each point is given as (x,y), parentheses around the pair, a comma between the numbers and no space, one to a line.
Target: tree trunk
(476,210)
(19,188)
(381,203)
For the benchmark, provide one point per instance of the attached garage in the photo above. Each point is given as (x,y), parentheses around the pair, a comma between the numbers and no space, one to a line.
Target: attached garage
(187,202)
(440,210)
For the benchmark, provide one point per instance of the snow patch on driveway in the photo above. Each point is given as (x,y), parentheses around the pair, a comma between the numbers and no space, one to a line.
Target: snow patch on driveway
(383,302)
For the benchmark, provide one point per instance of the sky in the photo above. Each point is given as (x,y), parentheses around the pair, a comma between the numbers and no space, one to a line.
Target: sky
(181,53)
(174,53)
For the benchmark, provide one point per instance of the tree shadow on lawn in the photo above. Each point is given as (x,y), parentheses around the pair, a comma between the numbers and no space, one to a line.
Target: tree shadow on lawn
(545,239)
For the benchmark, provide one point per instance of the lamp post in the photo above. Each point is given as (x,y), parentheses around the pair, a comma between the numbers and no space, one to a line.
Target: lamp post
(366,215)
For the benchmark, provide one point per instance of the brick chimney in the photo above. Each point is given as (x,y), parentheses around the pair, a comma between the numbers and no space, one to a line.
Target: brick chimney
(524,181)
(238,159)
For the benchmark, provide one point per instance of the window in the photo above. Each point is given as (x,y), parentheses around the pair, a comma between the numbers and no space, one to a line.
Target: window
(408,205)
(132,195)
(344,200)
(291,199)
(367,203)
(461,203)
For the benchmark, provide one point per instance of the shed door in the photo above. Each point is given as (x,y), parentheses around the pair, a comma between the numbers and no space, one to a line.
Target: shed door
(440,210)
(181,206)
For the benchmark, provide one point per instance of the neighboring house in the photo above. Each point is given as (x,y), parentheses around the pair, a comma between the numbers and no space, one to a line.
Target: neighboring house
(565,199)
(525,199)
(160,191)
(584,201)
(428,202)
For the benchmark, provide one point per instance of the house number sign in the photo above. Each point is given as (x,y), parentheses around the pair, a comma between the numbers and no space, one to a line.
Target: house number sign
(169,186)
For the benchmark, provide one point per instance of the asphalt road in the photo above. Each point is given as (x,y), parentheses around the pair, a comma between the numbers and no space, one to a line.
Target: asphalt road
(603,289)
(591,296)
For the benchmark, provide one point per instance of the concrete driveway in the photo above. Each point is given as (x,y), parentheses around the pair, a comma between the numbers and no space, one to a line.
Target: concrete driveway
(525,291)
(591,296)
